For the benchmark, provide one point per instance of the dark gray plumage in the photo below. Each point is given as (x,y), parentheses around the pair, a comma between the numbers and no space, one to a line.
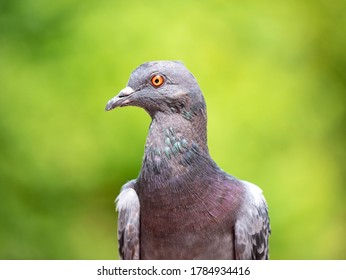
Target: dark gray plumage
(182,205)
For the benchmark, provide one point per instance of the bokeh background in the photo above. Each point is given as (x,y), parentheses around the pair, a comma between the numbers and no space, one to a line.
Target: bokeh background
(274,77)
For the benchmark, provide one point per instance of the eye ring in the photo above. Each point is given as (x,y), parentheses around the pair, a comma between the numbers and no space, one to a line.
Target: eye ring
(157,80)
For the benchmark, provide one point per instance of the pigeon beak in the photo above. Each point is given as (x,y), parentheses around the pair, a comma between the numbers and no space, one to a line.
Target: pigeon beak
(122,99)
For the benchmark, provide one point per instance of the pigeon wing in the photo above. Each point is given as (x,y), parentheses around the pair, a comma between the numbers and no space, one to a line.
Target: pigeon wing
(127,206)
(252,227)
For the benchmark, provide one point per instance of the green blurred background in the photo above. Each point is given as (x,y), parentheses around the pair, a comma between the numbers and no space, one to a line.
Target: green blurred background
(274,77)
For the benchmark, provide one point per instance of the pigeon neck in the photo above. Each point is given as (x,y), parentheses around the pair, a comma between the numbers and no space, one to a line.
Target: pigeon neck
(174,146)
(170,129)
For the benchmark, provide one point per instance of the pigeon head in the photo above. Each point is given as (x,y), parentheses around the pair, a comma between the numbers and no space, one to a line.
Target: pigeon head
(160,86)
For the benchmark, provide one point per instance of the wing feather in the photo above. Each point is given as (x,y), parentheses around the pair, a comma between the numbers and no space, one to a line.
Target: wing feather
(252,228)
(127,206)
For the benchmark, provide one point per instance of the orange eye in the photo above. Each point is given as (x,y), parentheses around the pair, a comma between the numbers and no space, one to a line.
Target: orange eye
(157,80)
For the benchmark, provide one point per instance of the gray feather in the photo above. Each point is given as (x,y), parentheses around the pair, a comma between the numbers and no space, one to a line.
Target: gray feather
(252,227)
(127,205)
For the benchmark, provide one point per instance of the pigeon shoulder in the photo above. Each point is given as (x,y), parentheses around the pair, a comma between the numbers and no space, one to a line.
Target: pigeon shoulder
(128,207)
(254,194)
(252,228)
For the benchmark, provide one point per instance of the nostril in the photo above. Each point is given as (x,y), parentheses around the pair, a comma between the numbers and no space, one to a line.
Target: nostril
(123,94)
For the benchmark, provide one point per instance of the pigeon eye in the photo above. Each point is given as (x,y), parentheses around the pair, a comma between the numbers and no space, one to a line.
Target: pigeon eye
(157,80)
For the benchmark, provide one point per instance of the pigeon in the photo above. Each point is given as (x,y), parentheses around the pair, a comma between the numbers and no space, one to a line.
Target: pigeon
(183,205)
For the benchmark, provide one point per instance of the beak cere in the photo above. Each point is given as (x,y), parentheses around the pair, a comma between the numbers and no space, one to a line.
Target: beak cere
(121,99)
